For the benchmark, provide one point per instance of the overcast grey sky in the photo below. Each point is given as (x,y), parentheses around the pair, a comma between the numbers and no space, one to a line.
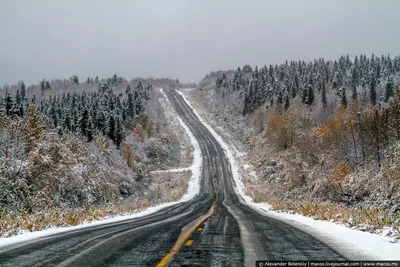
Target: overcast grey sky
(184,39)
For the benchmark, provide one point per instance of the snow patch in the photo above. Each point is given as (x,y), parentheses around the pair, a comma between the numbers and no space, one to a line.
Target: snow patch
(351,243)
(173,170)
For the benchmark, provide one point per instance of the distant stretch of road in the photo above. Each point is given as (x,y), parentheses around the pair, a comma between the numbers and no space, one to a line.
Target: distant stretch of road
(213,229)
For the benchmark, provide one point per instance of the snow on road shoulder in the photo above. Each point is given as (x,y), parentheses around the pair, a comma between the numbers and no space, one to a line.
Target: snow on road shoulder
(351,243)
(27,236)
(239,187)
(193,190)
(194,183)
(173,170)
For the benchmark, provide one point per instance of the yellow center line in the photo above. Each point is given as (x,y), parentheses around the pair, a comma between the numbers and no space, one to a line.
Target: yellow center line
(183,237)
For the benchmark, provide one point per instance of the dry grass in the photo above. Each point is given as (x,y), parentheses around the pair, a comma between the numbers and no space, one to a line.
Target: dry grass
(14,223)
(171,187)
(366,220)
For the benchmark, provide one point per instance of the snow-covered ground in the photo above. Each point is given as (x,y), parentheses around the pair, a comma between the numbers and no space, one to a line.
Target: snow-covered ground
(194,183)
(172,170)
(353,244)
(193,190)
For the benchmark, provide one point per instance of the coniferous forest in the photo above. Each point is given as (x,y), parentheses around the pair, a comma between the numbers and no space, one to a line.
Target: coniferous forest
(85,113)
(362,98)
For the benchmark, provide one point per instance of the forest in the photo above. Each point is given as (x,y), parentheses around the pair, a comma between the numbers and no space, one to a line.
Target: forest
(74,151)
(363,108)
(318,133)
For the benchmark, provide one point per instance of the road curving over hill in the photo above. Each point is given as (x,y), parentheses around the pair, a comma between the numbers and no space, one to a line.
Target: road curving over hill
(213,229)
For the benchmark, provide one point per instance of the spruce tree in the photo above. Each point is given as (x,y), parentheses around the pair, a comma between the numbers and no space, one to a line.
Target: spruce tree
(119,132)
(114,80)
(75,79)
(111,127)
(138,104)
(353,90)
(84,121)
(67,122)
(23,91)
(48,87)
(90,130)
(279,100)
(17,98)
(287,102)
(9,105)
(310,96)
(323,96)
(373,90)
(389,90)
(43,86)
(343,100)
(128,89)
(304,95)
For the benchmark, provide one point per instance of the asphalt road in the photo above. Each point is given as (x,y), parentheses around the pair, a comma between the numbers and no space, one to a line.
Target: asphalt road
(214,229)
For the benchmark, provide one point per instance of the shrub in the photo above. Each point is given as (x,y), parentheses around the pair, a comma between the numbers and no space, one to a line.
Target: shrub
(281,130)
